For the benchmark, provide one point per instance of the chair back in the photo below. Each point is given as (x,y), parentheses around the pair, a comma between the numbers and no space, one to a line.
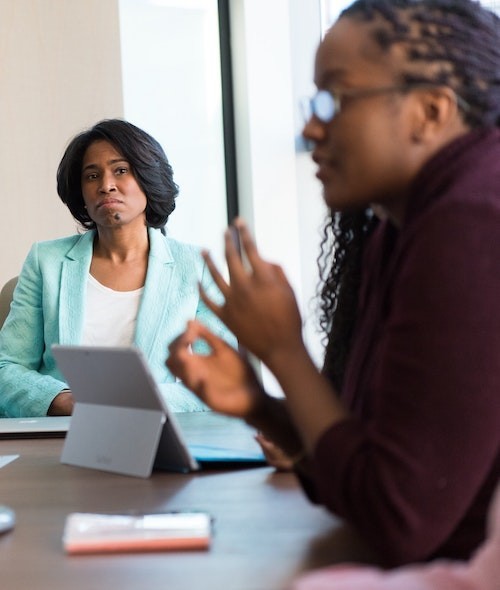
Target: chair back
(6,298)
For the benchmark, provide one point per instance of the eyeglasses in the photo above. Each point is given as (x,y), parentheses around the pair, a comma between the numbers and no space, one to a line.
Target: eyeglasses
(326,104)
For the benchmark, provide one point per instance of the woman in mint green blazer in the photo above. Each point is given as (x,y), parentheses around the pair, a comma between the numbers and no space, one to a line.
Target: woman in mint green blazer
(118,184)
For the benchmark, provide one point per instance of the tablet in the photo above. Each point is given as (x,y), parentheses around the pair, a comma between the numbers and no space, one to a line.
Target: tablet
(121,422)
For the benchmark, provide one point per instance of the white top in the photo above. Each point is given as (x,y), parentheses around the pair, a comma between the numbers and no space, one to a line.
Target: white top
(110,315)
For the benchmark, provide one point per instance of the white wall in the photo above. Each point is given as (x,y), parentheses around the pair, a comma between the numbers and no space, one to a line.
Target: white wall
(59,73)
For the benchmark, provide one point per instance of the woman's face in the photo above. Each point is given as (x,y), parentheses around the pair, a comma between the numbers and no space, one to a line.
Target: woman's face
(111,193)
(365,154)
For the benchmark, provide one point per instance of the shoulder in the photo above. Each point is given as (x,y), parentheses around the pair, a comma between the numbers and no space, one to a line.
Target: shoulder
(173,250)
(183,250)
(60,245)
(51,254)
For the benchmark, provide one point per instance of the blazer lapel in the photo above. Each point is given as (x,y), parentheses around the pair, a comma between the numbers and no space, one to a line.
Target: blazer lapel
(155,298)
(74,274)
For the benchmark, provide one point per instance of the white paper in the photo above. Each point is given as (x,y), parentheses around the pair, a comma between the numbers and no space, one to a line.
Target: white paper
(6,459)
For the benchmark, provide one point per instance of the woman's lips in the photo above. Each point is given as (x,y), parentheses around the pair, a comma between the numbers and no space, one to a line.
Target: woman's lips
(108,202)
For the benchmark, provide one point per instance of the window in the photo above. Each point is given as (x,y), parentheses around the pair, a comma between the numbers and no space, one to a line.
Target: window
(492,4)
(172,89)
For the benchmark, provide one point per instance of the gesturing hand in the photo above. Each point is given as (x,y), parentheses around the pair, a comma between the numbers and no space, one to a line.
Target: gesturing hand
(222,379)
(259,307)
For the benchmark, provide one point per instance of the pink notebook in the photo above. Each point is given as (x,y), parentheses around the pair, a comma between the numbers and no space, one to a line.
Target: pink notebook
(110,533)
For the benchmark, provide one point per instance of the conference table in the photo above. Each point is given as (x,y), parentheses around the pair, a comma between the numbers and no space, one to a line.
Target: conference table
(265,531)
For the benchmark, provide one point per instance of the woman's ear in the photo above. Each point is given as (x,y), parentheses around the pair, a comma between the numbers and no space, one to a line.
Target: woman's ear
(437,112)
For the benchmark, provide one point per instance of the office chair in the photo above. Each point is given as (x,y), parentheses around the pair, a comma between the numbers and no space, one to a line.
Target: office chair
(6,298)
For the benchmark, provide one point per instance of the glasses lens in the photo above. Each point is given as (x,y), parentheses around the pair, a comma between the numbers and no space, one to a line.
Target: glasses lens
(323,106)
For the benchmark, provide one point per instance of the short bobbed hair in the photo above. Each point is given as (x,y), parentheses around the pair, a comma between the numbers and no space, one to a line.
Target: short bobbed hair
(146,158)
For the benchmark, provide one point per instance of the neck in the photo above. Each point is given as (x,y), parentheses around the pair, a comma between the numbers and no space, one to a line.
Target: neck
(121,244)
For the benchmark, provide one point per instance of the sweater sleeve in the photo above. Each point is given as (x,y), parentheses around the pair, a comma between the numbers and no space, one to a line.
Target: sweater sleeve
(407,475)
(23,390)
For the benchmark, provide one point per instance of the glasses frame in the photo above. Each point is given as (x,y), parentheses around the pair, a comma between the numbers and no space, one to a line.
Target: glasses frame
(325,105)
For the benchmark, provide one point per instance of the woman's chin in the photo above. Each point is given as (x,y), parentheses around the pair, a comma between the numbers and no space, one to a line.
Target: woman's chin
(335,200)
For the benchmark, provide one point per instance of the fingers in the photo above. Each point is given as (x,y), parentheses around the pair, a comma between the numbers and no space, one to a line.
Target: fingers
(267,445)
(217,310)
(216,275)
(237,271)
(234,235)
(197,331)
(274,455)
(179,349)
(260,267)
(280,273)
(181,354)
(248,245)
(182,345)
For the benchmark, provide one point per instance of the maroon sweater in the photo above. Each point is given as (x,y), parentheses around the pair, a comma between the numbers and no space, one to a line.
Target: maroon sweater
(414,469)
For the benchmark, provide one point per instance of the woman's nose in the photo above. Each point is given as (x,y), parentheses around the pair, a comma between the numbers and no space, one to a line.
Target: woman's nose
(107,183)
(314,130)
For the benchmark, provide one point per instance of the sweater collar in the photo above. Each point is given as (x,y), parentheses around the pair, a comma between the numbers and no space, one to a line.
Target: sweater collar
(447,167)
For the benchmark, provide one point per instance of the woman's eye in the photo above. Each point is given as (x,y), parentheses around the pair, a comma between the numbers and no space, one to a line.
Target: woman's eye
(91,176)
(121,170)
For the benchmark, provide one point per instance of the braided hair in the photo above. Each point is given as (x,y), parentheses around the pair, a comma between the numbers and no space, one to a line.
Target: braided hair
(454,43)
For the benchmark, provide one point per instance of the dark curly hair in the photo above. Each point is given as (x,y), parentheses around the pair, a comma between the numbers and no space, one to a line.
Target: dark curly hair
(147,160)
(339,263)
(461,41)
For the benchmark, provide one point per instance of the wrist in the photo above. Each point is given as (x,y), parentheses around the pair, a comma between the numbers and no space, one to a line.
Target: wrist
(259,412)
(284,360)
(62,404)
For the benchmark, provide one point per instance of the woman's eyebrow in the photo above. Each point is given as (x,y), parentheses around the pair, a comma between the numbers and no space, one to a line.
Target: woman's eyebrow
(109,162)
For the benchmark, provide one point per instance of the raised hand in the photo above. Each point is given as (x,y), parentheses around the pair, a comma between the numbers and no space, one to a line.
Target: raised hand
(260,307)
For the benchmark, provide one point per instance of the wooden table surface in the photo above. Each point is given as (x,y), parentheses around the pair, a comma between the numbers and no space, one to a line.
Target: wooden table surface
(265,530)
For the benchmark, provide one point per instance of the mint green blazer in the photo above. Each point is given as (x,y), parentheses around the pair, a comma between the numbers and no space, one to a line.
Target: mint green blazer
(48,307)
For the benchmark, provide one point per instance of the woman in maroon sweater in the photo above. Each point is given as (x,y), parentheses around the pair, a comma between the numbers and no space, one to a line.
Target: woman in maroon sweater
(400,432)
